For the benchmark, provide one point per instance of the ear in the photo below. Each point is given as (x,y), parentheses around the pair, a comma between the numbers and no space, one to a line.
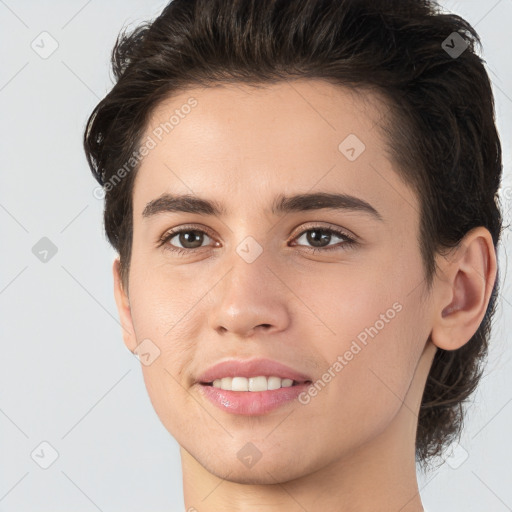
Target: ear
(123,308)
(463,289)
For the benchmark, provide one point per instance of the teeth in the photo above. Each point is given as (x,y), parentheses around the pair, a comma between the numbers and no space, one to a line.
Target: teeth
(252,383)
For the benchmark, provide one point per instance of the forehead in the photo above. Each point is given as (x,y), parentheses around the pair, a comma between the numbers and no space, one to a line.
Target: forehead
(241,143)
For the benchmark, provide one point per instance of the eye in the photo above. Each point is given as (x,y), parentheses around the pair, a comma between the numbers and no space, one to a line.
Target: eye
(319,237)
(191,239)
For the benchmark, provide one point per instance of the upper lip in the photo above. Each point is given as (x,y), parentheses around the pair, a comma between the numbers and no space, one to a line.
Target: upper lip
(251,368)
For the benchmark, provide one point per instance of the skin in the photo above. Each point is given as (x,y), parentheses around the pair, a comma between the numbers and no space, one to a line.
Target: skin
(351,448)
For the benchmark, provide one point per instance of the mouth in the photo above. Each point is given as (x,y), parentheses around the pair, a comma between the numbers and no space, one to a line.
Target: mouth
(258,374)
(252,396)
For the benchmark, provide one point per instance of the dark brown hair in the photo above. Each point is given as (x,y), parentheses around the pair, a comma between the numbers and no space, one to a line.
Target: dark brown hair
(440,127)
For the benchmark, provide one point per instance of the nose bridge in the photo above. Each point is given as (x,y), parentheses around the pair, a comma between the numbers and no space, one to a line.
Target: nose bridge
(251,241)
(250,278)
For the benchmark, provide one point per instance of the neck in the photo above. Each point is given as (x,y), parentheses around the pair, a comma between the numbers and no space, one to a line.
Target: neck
(380,474)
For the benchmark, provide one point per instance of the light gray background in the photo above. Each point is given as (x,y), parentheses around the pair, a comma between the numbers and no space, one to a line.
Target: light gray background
(66,376)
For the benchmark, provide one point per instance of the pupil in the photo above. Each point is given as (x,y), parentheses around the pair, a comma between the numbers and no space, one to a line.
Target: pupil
(315,239)
(186,238)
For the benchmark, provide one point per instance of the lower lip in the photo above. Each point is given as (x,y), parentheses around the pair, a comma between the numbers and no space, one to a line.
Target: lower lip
(251,403)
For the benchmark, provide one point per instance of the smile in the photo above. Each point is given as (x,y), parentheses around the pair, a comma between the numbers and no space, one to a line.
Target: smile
(260,383)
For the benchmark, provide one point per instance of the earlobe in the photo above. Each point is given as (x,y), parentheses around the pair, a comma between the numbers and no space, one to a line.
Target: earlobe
(123,307)
(464,292)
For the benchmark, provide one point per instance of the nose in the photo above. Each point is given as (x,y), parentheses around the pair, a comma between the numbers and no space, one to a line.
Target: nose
(250,300)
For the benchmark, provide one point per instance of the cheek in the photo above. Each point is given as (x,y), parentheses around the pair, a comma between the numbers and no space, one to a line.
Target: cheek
(161,302)
(352,302)
(377,330)
(159,315)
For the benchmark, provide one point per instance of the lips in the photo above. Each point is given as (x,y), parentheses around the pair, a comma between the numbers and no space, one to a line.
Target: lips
(251,368)
(255,402)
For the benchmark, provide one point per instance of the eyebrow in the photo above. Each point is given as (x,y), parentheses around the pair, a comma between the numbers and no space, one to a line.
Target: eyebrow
(282,204)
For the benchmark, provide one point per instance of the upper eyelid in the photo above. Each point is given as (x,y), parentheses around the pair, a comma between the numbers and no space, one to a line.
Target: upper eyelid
(329,227)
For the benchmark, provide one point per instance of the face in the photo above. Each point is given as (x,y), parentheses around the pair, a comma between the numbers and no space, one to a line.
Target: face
(336,294)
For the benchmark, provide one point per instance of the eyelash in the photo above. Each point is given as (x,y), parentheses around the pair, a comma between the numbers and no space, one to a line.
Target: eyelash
(180,251)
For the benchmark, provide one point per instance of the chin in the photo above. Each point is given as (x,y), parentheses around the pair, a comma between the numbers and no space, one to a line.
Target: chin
(276,465)
(260,474)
